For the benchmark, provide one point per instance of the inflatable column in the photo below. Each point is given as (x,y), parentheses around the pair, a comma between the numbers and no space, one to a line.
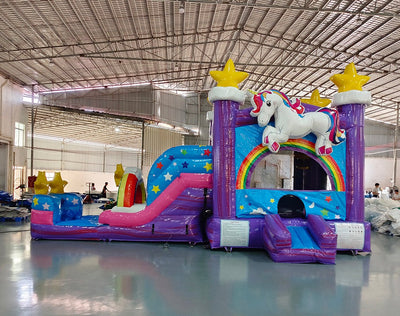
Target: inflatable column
(226,98)
(350,102)
(224,158)
(352,120)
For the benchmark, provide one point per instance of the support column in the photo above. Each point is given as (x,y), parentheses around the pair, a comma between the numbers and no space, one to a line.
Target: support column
(352,120)
(224,123)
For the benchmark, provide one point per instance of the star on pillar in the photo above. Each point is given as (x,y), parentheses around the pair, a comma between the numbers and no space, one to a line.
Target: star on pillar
(316,99)
(349,80)
(228,77)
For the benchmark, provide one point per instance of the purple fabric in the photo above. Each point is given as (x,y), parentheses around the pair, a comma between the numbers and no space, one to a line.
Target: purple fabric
(224,159)
(178,228)
(352,119)
(278,240)
(189,202)
(277,232)
(243,118)
(321,231)
(255,234)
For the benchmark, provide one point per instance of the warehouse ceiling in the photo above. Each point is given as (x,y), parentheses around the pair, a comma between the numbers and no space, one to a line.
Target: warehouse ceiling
(294,46)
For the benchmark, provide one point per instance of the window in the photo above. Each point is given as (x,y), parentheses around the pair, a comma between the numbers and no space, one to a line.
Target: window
(19,134)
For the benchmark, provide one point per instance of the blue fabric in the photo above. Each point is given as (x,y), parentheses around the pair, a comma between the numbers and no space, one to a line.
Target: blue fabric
(301,238)
(173,162)
(51,203)
(84,221)
(71,206)
(328,204)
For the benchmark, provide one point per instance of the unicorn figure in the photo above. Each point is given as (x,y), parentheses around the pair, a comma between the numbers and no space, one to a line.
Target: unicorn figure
(291,122)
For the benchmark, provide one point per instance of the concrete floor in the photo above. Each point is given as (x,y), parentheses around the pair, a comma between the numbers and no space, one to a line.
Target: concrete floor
(48,277)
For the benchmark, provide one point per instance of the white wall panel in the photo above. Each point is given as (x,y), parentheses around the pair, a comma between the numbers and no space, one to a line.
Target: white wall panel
(156,141)
(134,100)
(172,107)
(380,170)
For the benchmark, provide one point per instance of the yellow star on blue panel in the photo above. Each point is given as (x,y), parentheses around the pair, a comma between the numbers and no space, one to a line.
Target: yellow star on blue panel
(208,166)
(35,201)
(155,189)
(228,77)
(349,79)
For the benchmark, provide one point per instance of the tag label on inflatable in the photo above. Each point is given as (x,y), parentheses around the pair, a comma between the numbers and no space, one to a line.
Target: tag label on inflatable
(350,235)
(234,233)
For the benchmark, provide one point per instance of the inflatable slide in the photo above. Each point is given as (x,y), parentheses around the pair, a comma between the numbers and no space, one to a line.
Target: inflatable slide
(178,187)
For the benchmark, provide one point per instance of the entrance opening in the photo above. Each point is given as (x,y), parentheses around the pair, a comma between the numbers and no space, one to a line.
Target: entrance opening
(308,174)
(290,206)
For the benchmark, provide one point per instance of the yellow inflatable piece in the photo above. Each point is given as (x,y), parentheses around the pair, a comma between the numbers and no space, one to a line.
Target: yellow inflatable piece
(57,184)
(228,77)
(119,172)
(349,79)
(316,99)
(41,184)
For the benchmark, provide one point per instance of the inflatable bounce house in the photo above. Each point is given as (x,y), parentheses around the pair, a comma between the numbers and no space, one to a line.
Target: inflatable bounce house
(204,193)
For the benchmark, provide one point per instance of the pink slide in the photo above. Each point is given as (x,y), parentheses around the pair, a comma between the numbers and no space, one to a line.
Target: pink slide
(150,212)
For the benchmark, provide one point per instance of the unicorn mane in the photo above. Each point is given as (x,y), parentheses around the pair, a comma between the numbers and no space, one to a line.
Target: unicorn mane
(295,106)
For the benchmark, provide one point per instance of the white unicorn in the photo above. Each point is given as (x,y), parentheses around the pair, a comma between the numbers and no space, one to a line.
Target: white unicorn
(290,122)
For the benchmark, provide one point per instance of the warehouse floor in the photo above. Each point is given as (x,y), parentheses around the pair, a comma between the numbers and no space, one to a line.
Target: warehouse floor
(45,277)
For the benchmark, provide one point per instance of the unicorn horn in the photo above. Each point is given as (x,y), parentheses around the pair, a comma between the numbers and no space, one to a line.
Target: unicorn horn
(252,91)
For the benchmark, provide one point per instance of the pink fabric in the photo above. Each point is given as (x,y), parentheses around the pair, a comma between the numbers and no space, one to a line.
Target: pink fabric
(186,180)
(42,217)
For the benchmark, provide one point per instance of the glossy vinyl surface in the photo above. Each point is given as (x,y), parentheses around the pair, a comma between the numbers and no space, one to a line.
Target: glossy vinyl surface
(46,277)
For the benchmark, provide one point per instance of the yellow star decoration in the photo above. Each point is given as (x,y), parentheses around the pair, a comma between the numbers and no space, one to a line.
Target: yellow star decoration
(229,77)
(35,201)
(155,189)
(208,166)
(271,200)
(241,207)
(349,80)
(316,99)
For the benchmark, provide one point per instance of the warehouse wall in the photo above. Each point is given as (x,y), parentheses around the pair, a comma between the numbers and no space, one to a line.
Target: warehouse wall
(196,116)
(141,102)
(11,111)
(95,162)
(380,170)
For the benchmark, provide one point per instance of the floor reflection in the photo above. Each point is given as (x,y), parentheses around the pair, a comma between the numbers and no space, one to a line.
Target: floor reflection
(181,280)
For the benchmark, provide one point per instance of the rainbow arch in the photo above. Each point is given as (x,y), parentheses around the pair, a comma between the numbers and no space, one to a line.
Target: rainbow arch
(260,151)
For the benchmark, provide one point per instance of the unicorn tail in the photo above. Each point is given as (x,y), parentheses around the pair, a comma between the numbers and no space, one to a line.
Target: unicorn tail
(336,134)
